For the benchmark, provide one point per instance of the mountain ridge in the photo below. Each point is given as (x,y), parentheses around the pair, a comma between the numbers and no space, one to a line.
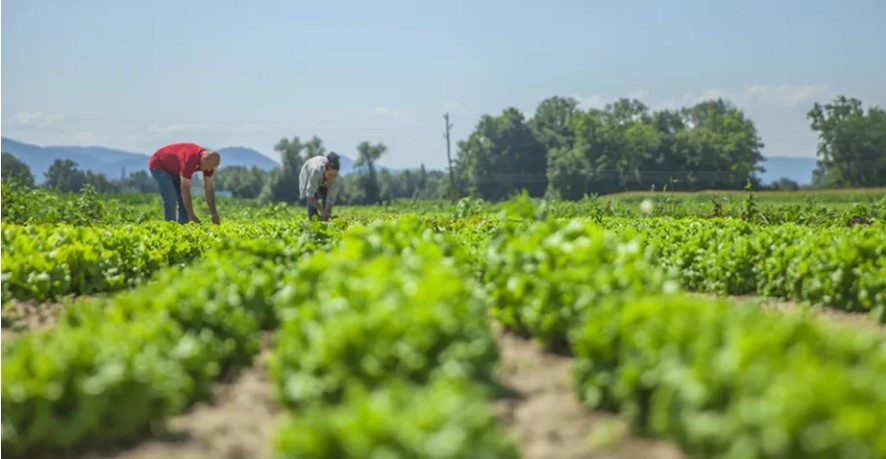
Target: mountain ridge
(114,162)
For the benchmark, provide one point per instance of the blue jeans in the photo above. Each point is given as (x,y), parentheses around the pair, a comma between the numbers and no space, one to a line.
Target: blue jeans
(320,195)
(171,192)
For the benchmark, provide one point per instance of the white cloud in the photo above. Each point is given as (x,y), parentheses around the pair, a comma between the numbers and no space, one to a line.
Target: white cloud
(385,111)
(638,94)
(600,101)
(784,95)
(587,102)
(37,120)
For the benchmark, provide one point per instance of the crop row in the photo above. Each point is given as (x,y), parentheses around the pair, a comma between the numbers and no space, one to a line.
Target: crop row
(389,325)
(382,327)
(844,268)
(42,262)
(718,379)
(113,367)
(385,351)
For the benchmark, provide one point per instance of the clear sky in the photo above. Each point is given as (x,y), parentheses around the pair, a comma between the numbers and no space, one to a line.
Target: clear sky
(137,74)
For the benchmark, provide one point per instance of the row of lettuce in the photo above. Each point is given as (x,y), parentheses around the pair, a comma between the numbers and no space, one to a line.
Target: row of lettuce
(718,379)
(23,205)
(842,267)
(385,351)
(46,262)
(382,348)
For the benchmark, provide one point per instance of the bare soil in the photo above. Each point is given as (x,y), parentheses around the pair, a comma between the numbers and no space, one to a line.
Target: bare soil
(546,418)
(20,316)
(542,413)
(237,425)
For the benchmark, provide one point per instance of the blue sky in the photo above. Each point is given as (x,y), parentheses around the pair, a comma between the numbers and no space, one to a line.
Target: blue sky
(139,74)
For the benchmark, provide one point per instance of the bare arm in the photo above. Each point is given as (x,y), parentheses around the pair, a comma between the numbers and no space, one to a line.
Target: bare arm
(331,196)
(314,202)
(186,198)
(209,189)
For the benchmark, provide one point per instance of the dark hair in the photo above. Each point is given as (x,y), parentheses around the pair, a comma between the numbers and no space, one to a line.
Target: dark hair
(332,161)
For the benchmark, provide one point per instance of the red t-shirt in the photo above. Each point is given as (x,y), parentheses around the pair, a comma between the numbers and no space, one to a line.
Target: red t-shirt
(181,159)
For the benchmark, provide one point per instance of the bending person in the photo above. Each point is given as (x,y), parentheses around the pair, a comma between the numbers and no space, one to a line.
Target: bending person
(318,180)
(173,167)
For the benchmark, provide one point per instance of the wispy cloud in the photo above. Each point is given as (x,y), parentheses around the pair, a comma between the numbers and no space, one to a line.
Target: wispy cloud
(593,101)
(786,95)
(385,111)
(638,94)
(600,101)
(783,95)
(32,120)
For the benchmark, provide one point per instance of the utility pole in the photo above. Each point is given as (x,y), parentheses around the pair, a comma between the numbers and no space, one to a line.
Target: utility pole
(449,156)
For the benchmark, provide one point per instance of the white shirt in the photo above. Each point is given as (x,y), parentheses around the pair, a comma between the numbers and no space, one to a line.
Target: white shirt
(311,178)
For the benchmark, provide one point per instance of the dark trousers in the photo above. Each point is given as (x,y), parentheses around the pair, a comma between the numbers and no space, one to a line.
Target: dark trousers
(320,195)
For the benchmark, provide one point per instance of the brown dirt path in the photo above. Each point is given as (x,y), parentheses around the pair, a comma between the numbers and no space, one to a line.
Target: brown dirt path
(546,417)
(21,316)
(237,425)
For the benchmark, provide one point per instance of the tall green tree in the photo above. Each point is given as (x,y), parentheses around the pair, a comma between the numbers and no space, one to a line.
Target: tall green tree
(14,169)
(139,182)
(551,122)
(100,182)
(282,183)
(503,156)
(241,181)
(314,147)
(710,145)
(64,176)
(367,156)
(722,146)
(851,143)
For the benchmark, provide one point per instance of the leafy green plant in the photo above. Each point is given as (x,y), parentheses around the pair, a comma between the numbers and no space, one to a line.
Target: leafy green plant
(111,368)
(542,279)
(444,420)
(841,267)
(700,372)
(352,317)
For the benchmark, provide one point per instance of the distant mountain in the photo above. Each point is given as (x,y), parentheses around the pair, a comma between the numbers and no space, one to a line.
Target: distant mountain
(796,169)
(97,159)
(113,162)
(242,156)
(347,165)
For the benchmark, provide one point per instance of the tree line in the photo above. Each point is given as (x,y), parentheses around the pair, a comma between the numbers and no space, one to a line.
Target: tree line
(65,176)
(565,152)
(562,152)
(366,185)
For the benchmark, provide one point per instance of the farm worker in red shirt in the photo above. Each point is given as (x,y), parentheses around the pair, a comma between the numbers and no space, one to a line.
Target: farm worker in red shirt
(173,166)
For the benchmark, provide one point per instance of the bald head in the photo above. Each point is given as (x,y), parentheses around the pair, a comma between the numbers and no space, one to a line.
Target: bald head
(210,160)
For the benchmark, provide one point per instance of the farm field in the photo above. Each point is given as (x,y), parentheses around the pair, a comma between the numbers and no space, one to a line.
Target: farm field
(630,326)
